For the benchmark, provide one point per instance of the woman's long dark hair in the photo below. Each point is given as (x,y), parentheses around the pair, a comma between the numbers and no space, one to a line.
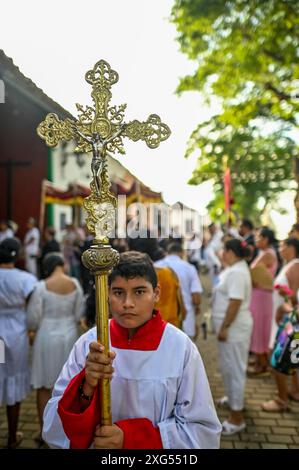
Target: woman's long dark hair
(266,232)
(51,261)
(238,247)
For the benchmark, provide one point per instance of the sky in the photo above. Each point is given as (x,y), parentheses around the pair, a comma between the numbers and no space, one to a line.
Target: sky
(55,43)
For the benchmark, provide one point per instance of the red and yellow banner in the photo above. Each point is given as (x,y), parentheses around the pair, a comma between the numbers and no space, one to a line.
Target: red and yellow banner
(76,193)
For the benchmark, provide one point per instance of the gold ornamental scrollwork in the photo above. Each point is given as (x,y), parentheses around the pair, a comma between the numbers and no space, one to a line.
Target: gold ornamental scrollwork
(100,129)
(100,259)
(52,129)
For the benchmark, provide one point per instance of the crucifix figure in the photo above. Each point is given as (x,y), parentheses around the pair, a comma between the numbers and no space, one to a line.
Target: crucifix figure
(100,130)
(99,152)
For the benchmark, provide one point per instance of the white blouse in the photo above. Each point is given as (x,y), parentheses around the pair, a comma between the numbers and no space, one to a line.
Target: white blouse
(234,283)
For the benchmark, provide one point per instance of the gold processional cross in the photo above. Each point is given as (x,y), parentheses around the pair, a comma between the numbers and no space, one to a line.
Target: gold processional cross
(100,130)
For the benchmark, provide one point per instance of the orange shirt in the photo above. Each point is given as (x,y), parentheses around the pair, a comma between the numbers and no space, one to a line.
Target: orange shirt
(170,303)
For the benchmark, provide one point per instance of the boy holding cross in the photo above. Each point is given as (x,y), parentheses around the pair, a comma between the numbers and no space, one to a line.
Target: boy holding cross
(159,390)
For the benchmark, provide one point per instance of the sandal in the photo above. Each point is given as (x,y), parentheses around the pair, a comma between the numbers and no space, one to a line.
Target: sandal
(251,360)
(261,371)
(228,429)
(294,396)
(14,445)
(275,405)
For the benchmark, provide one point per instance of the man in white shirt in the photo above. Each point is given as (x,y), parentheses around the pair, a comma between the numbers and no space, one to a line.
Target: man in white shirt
(31,246)
(189,283)
(5,231)
(193,250)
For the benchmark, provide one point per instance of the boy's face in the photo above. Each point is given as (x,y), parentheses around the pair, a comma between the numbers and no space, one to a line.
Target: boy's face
(132,301)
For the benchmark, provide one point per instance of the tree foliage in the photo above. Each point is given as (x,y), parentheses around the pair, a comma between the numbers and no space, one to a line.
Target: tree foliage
(246,54)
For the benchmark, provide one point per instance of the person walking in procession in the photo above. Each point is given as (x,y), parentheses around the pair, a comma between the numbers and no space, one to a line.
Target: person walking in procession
(233,324)
(15,289)
(54,311)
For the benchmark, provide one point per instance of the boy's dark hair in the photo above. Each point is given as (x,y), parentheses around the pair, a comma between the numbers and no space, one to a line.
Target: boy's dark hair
(134,264)
(174,248)
(247,223)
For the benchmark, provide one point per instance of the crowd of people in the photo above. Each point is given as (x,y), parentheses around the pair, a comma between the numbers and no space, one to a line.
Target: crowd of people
(51,303)
(246,310)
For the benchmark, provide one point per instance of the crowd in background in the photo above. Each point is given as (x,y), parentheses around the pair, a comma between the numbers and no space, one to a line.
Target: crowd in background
(52,301)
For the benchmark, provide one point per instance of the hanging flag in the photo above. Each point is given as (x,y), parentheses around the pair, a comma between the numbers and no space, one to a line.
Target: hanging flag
(74,195)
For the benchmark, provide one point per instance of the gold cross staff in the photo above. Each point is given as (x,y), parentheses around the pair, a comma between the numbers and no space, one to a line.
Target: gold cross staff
(100,130)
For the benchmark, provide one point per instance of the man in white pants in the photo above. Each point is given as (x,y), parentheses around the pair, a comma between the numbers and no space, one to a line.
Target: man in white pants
(31,246)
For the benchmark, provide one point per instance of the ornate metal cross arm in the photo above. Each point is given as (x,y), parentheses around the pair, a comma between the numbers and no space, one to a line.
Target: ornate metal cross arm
(100,130)
(103,119)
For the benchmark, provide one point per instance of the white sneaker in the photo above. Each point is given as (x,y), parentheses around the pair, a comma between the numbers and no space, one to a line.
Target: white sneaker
(229,428)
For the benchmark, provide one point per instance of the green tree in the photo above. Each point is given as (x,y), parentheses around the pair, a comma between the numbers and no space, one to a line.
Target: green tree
(261,164)
(246,54)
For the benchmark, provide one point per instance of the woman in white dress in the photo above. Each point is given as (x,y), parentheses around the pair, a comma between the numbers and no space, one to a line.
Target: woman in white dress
(54,310)
(233,325)
(15,289)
